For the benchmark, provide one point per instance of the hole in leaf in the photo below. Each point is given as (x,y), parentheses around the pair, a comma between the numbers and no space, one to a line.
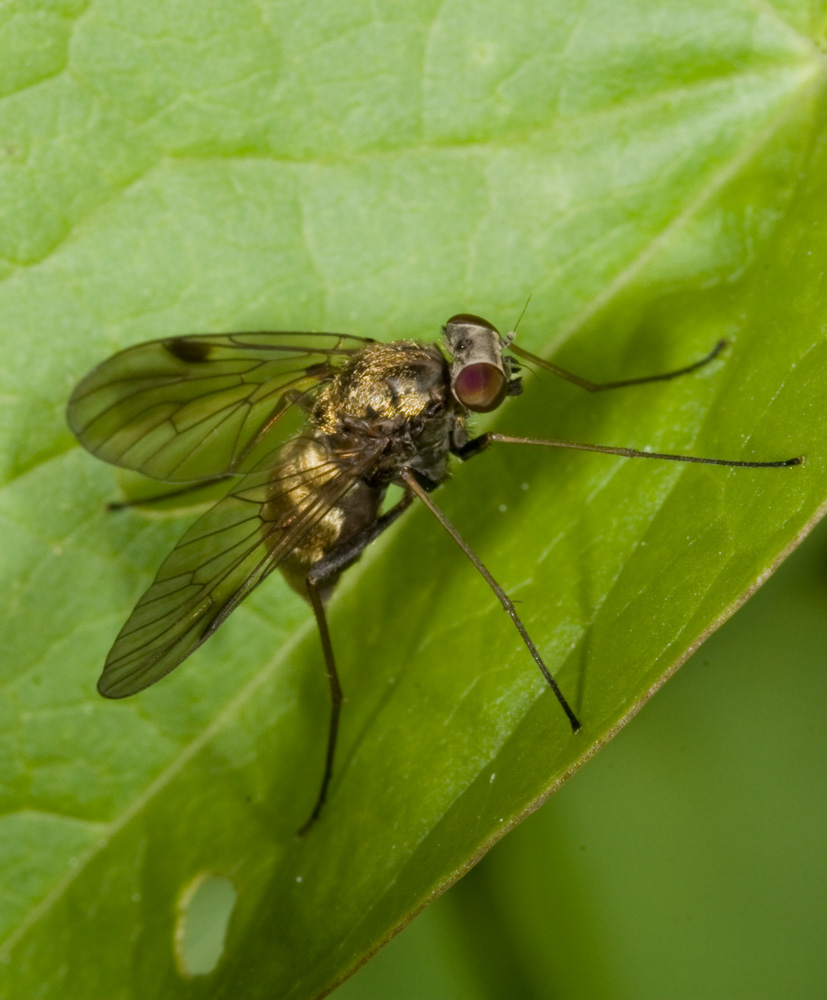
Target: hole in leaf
(204,912)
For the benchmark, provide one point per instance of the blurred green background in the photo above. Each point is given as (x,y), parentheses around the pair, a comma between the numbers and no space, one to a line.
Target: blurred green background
(687,859)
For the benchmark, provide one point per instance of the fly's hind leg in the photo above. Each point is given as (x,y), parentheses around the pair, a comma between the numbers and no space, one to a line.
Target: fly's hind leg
(322,576)
(317,603)
(189,488)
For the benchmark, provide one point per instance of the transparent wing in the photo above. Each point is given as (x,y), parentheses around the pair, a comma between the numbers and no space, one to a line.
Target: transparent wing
(189,408)
(216,564)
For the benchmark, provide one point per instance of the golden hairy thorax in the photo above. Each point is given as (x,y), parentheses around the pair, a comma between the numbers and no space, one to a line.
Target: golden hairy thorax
(387,402)
(387,381)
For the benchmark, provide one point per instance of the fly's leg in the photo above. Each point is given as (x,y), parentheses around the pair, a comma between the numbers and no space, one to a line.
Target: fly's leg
(314,593)
(478,444)
(160,497)
(421,489)
(623,383)
(323,575)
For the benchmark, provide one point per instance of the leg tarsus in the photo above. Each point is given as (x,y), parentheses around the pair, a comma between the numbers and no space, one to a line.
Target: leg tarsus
(317,604)
(326,571)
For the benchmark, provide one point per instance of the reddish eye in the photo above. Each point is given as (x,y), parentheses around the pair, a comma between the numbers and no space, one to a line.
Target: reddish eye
(481,387)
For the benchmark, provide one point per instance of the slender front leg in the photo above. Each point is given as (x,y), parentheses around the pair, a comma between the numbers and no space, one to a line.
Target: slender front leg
(622,383)
(478,444)
(324,572)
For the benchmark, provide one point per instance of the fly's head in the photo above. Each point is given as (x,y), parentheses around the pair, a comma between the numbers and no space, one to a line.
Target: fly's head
(481,376)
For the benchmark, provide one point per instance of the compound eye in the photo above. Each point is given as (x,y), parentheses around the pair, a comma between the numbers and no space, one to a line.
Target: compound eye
(468,319)
(481,387)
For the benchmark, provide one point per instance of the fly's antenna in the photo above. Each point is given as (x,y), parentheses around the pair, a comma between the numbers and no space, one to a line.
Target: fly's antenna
(508,339)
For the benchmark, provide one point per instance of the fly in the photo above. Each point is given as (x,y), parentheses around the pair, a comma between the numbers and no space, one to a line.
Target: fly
(218,407)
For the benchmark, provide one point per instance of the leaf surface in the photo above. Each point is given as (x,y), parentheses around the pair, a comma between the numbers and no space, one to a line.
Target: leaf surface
(654,177)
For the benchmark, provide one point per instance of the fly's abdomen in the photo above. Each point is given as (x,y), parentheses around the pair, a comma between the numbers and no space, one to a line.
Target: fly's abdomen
(315,504)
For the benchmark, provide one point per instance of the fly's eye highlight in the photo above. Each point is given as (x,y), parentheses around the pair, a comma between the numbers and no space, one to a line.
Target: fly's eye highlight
(481,387)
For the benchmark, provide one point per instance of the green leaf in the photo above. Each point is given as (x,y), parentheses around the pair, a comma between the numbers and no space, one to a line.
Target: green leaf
(653,176)
(714,844)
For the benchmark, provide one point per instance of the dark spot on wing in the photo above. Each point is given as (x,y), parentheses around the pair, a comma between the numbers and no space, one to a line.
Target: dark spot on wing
(187,349)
